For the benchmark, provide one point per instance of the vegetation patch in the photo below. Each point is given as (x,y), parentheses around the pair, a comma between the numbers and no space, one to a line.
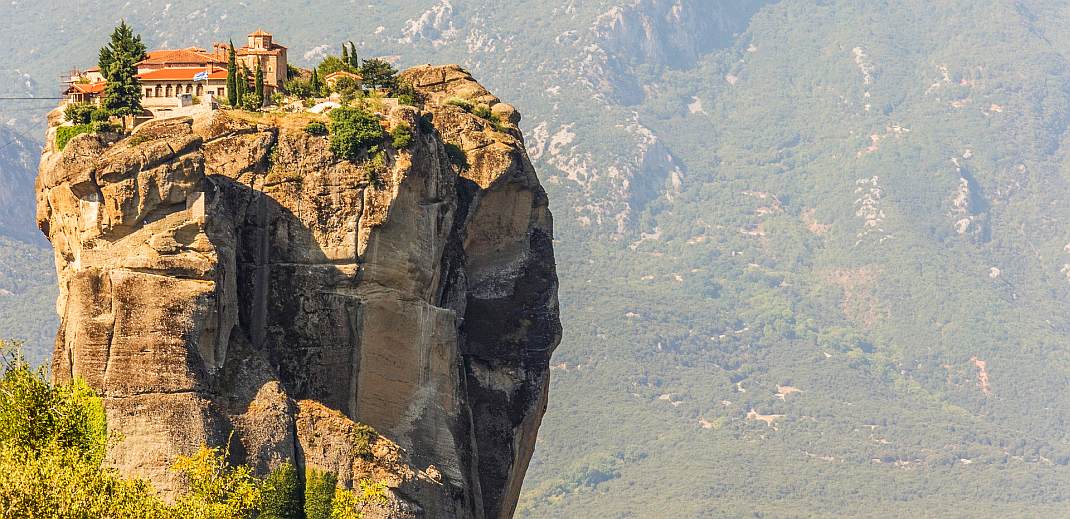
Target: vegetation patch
(52,446)
(316,128)
(64,134)
(401,136)
(353,131)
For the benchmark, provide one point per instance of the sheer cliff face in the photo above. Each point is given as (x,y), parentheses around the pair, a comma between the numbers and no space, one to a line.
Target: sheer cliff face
(222,276)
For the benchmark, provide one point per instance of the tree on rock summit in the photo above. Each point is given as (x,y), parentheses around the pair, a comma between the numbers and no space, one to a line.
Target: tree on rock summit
(118,64)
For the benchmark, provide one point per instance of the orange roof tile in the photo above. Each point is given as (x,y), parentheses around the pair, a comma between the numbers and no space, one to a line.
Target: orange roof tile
(180,74)
(260,32)
(192,55)
(88,88)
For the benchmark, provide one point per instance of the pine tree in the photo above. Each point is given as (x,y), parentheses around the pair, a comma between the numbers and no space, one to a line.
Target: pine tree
(379,74)
(259,85)
(232,76)
(118,64)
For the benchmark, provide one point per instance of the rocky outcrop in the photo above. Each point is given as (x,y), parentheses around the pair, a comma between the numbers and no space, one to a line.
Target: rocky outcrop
(224,274)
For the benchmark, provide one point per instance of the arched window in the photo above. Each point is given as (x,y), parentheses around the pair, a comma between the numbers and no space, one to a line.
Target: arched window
(189,89)
(159,91)
(168,90)
(200,90)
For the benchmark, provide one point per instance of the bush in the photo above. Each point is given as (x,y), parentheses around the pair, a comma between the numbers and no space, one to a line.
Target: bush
(64,134)
(362,437)
(353,131)
(52,443)
(282,495)
(406,94)
(102,126)
(482,111)
(463,104)
(216,488)
(250,101)
(319,493)
(401,136)
(300,87)
(79,113)
(316,128)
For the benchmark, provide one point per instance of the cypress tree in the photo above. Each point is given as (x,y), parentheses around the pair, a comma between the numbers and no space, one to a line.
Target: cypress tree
(242,83)
(345,54)
(118,64)
(314,83)
(259,85)
(354,61)
(232,76)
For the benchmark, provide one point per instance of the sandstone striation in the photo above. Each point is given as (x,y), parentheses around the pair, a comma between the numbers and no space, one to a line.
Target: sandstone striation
(226,276)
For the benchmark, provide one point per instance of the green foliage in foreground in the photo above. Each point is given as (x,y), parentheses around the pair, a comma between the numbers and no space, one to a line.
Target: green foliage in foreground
(316,128)
(64,134)
(353,131)
(319,494)
(52,444)
(401,136)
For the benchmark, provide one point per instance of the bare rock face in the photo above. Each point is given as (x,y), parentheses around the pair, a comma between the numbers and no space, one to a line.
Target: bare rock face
(228,274)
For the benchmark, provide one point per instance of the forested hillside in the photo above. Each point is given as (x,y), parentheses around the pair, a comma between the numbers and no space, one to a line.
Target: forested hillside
(814,254)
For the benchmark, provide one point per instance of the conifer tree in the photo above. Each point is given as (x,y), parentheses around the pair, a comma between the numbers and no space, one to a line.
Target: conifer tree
(118,64)
(314,83)
(259,85)
(354,61)
(241,86)
(232,76)
(345,54)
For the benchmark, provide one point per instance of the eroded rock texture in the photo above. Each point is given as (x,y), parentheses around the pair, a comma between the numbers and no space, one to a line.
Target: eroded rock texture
(219,275)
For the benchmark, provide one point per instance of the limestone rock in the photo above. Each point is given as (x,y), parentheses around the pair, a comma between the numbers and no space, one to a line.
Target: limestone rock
(218,276)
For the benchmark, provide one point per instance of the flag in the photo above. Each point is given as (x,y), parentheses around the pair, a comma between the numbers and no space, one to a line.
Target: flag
(201,76)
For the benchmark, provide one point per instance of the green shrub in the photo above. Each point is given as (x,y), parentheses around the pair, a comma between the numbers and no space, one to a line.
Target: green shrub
(99,115)
(319,493)
(316,128)
(353,131)
(251,102)
(282,496)
(406,94)
(216,488)
(79,113)
(361,438)
(463,104)
(401,136)
(102,126)
(64,134)
(482,111)
(52,443)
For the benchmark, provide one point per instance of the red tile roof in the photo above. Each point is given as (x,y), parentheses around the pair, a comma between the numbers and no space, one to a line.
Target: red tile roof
(260,32)
(191,55)
(87,88)
(180,74)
